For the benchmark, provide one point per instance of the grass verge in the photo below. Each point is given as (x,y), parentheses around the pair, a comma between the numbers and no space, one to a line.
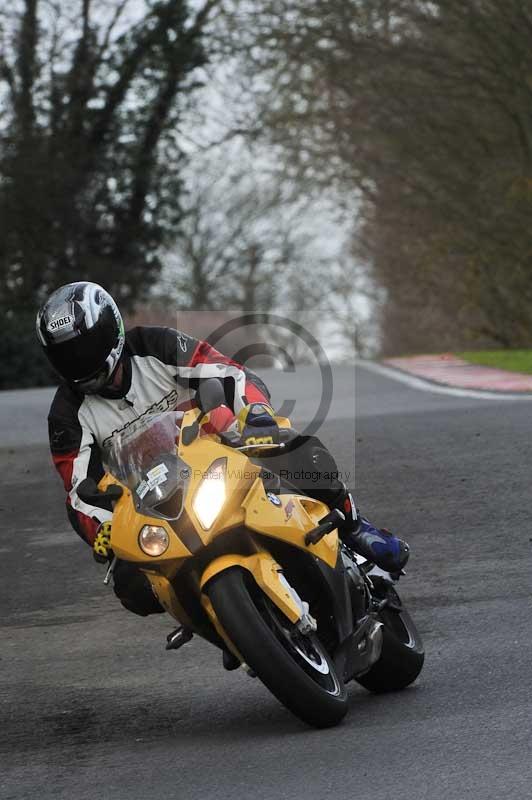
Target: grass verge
(512,360)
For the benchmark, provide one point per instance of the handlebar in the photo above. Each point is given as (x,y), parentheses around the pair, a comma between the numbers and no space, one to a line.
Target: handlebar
(232,439)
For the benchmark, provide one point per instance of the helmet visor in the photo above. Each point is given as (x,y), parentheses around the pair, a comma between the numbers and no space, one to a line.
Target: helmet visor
(80,358)
(96,382)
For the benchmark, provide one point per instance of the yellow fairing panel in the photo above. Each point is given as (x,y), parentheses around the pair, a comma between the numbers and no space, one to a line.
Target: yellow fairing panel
(265,571)
(127,524)
(287,518)
(167,597)
(290,521)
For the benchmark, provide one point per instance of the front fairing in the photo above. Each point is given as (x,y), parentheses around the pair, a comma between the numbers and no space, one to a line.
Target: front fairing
(170,503)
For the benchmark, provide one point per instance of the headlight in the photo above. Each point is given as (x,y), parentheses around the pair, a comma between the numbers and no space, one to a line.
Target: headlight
(153,540)
(210,496)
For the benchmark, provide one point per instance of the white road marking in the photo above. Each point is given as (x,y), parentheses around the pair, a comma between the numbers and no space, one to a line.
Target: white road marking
(423,385)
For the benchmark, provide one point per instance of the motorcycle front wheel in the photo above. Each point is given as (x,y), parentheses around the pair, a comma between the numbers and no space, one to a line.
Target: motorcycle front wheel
(297,669)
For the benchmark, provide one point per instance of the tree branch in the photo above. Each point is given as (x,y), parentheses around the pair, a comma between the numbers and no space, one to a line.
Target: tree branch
(26,66)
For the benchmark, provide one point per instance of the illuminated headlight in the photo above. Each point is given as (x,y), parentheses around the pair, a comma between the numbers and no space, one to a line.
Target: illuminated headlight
(210,496)
(153,540)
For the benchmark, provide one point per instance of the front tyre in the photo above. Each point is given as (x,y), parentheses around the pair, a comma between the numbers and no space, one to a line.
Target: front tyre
(402,655)
(295,668)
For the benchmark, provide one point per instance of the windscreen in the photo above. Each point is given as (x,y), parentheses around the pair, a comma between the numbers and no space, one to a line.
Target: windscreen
(143,457)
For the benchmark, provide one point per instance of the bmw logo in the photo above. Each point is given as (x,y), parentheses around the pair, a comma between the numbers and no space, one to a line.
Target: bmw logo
(274,499)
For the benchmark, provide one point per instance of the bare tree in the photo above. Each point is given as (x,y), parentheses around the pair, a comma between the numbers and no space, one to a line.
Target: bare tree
(422,108)
(89,160)
(92,96)
(246,247)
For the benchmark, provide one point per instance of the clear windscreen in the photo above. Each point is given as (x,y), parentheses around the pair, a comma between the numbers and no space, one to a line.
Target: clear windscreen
(143,457)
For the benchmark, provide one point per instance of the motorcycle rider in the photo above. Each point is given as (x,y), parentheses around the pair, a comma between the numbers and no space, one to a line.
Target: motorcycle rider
(111,378)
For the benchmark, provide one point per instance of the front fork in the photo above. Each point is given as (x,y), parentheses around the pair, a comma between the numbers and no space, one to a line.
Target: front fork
(269,577)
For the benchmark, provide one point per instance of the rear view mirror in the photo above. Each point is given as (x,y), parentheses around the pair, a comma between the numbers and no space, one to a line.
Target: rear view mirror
(89,493)
(210,394)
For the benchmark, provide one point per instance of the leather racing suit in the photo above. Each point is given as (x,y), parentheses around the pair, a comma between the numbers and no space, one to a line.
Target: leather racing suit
(162,368)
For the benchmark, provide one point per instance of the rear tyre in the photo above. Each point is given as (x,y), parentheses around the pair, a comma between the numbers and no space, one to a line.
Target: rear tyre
(296,669)
(402,655)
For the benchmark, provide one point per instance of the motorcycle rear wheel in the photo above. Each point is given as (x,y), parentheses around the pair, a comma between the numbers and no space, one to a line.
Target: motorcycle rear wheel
(402,655)
(296,669)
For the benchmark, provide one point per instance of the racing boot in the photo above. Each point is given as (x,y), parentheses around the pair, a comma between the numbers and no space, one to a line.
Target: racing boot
(378,545)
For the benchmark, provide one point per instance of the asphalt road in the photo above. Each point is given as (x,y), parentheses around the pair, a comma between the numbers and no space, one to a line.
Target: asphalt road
(91,705)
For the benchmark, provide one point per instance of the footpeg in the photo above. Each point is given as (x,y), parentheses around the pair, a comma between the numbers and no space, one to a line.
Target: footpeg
(178,638)
(247,669)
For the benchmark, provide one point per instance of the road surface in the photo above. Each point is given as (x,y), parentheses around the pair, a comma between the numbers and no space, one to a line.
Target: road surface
(91,705)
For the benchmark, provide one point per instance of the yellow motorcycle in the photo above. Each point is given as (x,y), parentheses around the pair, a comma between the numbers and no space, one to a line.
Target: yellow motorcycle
(252,565)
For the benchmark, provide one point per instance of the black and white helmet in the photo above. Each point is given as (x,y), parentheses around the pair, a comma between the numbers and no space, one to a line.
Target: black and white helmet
(82,333)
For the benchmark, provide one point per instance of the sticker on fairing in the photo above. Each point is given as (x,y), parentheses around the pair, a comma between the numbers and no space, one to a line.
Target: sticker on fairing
(274,499)
(156,481)
(153,478)
(143,489)
(289,510)
(156,475)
